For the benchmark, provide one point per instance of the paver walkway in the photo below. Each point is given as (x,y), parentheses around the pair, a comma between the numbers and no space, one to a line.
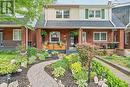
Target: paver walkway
(39,78)
(117,72)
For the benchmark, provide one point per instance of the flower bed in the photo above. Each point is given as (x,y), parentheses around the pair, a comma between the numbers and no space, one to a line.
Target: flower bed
(123,61)
(112,80)
(70,71)
(17,65)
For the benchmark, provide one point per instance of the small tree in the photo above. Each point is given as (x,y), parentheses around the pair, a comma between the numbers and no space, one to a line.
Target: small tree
(87,52)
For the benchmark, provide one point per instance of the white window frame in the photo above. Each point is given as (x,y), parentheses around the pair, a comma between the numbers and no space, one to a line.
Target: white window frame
(53,41)
(99,36)
(94,14)
(84,37)
(62,10)
(19,38)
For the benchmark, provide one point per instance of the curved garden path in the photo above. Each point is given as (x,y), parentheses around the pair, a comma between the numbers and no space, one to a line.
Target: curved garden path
(39,78)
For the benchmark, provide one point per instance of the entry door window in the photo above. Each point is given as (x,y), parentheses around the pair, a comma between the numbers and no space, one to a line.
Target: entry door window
(54,37)
(84,37)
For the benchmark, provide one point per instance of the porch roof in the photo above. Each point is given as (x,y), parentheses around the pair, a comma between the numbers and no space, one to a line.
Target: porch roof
(13,23)
(76,24)
(88,24)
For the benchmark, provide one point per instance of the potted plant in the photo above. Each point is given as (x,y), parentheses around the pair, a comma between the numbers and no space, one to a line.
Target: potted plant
(43,34)
(55,55)
(60,43)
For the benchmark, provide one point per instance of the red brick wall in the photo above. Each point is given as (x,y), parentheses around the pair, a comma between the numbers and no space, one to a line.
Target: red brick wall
(32,37)
(8,34)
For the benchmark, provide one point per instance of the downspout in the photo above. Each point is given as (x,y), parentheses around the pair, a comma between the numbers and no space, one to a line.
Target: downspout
(26,38)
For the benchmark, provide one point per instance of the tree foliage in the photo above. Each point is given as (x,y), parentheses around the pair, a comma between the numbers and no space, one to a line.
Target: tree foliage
(30,9)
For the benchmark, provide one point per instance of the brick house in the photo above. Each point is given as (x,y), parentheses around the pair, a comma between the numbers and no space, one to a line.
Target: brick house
(65,25)
(13,35)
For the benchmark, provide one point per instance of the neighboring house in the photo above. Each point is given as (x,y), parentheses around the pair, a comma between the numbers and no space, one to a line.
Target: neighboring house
(67,25)
(123,13)
(13,35)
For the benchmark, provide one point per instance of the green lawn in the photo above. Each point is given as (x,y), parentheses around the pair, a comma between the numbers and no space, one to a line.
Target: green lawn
(123,61)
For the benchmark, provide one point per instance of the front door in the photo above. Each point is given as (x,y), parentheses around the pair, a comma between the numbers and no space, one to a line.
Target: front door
(72,41)
(1,38)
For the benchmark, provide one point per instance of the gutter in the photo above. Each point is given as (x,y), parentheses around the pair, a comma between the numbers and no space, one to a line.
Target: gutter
(11,26)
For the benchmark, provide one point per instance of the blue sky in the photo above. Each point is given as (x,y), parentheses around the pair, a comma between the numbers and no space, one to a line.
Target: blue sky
(87,1)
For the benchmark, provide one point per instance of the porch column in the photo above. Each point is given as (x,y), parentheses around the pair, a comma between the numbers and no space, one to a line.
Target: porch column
(80,36)
(121,38)
(38,39)
(24,37)
(128,40)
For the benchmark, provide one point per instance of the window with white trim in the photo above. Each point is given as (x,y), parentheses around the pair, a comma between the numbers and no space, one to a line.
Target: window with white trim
(54,37)
(94,13)
(17,34)
(62,13)
(84,37)
(100,36)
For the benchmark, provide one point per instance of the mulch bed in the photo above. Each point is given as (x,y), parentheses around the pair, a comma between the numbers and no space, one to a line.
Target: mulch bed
(21,77)
(67,79)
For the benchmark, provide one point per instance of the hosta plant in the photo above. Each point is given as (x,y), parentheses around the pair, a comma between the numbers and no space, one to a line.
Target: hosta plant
(58,72)
(82,83)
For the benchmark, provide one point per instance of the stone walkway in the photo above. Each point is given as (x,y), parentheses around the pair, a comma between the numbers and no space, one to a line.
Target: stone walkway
(39,78)
(117,72)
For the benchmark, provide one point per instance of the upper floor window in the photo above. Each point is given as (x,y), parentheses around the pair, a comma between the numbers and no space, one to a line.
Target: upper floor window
(62,14)
(94,14)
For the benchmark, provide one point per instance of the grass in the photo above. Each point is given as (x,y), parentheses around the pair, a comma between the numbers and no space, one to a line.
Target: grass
(123,61)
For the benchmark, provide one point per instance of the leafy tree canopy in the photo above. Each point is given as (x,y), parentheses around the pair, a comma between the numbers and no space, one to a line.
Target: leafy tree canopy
(31,10)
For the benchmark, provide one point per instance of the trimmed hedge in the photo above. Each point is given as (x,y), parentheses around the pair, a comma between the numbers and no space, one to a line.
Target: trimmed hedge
(112,80)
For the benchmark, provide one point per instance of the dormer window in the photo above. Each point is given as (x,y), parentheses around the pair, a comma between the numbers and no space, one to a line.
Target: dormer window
(94,14)
(62,13)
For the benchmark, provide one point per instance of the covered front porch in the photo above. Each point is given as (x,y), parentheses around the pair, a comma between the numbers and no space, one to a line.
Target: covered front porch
(12,37)
(65,39)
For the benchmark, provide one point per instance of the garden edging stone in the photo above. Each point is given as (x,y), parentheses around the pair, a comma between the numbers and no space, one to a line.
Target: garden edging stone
(120,68)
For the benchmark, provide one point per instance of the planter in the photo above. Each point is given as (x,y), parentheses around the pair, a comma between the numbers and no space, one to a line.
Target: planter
(55,57)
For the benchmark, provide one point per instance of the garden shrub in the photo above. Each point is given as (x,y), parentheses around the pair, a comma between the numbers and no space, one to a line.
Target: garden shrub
(60,63)
(31,51)
(72,58)
(112,80)
(59,71)
(31,60)
(41,57)
(76,67)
